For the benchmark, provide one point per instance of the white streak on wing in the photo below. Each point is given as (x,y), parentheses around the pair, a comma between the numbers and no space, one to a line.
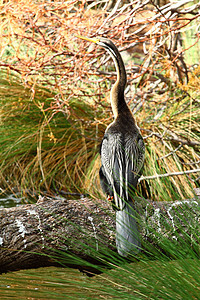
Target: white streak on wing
(134,158)
(120,177)
(108,158)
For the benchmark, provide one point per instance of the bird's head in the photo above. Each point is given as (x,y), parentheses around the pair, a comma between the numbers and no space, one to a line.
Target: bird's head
(101,41)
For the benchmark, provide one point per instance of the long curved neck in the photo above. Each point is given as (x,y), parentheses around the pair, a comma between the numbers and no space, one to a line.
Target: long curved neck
(118,102)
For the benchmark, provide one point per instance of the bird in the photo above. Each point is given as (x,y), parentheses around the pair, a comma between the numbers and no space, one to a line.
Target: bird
(122,153)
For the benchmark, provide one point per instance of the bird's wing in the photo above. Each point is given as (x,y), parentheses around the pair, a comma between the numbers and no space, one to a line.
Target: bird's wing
(122,159)
(134,160)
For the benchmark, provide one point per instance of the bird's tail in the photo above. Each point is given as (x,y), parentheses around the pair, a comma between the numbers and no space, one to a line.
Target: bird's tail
(127,234)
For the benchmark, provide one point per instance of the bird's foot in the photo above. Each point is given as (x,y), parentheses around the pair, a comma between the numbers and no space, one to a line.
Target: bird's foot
(110,198)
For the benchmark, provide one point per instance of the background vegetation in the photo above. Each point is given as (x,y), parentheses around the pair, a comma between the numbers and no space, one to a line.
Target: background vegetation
(54,96)
(55,92)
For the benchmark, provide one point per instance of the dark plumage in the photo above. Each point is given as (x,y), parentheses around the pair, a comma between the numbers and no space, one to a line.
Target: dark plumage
(122,157)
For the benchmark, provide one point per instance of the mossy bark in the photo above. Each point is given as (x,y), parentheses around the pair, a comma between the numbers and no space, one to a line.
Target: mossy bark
(34,235)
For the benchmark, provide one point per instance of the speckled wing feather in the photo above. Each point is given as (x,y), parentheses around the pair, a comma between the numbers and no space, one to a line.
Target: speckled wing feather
(122,164)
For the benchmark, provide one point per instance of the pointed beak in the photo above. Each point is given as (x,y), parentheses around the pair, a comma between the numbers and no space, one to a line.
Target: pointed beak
(93,40)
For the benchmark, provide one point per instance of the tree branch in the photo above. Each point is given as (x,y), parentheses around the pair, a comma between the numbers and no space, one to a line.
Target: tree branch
(168,174)
(31,234)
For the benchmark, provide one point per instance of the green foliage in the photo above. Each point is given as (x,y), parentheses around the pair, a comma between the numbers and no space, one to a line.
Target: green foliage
(43,149)
(40,149)
(143,280)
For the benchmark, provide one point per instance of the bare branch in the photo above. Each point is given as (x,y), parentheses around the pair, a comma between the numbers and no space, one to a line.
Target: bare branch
(168,174)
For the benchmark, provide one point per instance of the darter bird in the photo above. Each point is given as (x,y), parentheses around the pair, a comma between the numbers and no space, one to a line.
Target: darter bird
(122,153)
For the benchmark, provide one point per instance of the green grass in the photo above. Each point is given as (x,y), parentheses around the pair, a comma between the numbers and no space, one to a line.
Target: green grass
(39,153)
(143,280)
(41,150)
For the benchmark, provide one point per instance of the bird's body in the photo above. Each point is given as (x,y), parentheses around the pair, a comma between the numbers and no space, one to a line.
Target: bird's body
(122,157)
(122,151)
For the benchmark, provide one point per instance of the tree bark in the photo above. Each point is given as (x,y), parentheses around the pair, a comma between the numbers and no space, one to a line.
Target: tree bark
(29,232)
(34,235)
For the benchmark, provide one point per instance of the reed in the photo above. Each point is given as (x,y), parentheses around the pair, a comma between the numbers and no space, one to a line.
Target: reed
(52,152)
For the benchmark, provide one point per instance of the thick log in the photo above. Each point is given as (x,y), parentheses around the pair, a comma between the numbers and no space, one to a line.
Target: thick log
(30,230)
(30,235)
